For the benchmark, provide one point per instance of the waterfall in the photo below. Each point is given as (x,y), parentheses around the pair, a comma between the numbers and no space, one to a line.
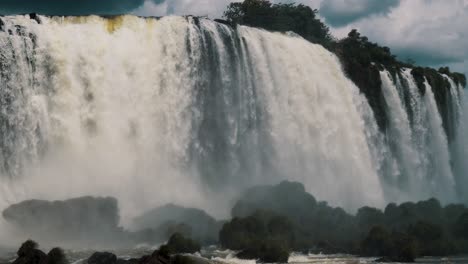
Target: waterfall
(190,111)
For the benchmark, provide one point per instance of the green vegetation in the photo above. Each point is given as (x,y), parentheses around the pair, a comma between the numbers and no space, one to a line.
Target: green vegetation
(285,218)
(395,246)
(264,235)
(300,19)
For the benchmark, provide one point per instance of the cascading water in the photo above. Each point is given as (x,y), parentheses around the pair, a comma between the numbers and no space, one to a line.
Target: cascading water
(191,111)
(420,145)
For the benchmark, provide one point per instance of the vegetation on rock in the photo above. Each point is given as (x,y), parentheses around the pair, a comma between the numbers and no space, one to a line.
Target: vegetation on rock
(282,17)
(29,253)
(264,218)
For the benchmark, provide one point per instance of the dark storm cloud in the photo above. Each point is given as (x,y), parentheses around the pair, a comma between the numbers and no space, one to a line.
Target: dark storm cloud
(342,12)
(70,7)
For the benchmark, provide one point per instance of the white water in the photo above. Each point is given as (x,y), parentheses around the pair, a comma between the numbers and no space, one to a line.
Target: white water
(191,112)
(421,146)
(124,108)
(409,177)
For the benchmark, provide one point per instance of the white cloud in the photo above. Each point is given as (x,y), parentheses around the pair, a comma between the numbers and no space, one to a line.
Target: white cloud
(432,31)
(210,8)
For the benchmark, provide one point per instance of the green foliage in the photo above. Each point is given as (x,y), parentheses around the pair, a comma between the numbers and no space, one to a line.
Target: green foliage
(241,233)
(367,217)
(394,246)
(180,244)
(404,248)
(313,223)
(287,213)
(365,52)
(377,243)
(263,235)
(300,19)
(425,231)
(430,239)
(458,78)
(362,60)
(460,228)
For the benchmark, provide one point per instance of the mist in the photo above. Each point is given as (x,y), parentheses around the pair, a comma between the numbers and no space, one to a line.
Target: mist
(188,111)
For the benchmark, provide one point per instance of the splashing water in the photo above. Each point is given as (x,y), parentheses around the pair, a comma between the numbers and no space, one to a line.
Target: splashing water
(190,111)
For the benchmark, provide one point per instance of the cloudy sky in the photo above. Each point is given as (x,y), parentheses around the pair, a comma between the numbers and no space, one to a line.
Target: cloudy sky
(431,32)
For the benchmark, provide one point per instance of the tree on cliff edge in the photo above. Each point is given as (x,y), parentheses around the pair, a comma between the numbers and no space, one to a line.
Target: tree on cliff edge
(299,19)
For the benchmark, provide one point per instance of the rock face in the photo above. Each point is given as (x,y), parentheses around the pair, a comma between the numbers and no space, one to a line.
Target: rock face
(288,198)
(102,258)
(170,218)
(180,244)
(30,254)
(313,222)
(85,218)
(265,236)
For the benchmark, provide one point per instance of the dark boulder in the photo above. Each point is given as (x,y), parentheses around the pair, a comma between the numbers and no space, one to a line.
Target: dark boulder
(243,233)
(102,258)
(270,251)
(222,21)
(158,257)
(188,259)
(167,219)
(312,221)
(75,220)
(35,17)
(287,198)
(28,253)
(56,256)
(180,244)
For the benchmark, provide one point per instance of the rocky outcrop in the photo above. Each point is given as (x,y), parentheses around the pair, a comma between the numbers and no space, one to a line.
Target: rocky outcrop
(180,244)
(30,254)
(102,258)
(85,218)
(169,219)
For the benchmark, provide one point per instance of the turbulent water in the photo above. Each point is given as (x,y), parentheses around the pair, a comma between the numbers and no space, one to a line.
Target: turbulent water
(191,111)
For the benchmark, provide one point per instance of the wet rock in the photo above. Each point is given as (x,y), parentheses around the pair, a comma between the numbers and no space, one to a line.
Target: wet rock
(272,198)
(180,244)
(35,17)
(56,256)
(269,251)
(86,218)
(102,258)
(158,257)
(28,253)
(222,21)
(171,218)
